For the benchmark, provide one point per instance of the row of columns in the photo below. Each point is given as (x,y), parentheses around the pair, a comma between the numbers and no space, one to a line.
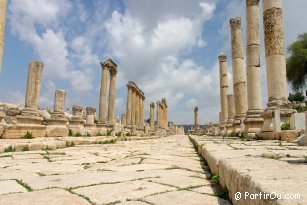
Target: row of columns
(245,105)
(135,110)
(107,67)
(162,121)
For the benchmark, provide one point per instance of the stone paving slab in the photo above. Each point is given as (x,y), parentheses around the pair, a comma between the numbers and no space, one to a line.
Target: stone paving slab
(126,172)
(184,197)
(44,197)
(10,186)
(243,166)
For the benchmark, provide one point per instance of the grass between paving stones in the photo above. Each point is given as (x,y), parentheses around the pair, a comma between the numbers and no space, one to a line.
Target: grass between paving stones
(46,148)
(25,148)
(221,192)
(114,202)
(26,186)
(45,156)
(41,174)
(112,141)
(80,195)
(10,148)
(70,144)
(144,201)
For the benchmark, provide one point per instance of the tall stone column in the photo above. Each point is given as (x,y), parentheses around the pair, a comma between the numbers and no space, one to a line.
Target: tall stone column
(111,108)
(129,105)
(253,122)
(196,118)
(223,87)
(124,118)
(137,110)
(275,63)
(231,114)
(34,84)
(158,114)
(239,74)
(133,106)
(103,93)
(2,28)
(142,111)
(152,117)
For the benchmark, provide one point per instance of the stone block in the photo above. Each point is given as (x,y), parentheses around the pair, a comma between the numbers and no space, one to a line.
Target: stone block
(18,131)
(56,131)
(297,121)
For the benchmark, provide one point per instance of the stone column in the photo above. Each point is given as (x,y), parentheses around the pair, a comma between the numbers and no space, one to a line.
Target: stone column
(239,75)
(90,115)
(124,117)
(59,101)
(2,28)
(275,54)
(223,87)
(111,108)
(137,110)
(151,117)
(103,93)
(133,107)
(166,117)
(253,122)
(196,118)
(158,114)
(34,84)
(129,105)
(231,114)
(142,110)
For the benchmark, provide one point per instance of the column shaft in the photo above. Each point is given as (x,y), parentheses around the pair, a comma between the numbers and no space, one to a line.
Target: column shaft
(253,57)
(34,84)
(103,94)
(137,110)
(151,117)
(111,108)
(129,106)
(133,105)
(223,87)
(239,74)
(230,108)
(59,101)
(274,50)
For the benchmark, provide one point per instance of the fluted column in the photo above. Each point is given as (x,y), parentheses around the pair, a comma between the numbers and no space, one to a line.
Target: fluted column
(111,108)
(223,87)
(239,74)
(133,106)
(34,84)
(152,117)
(103,94)
(129,106)
(275,54)
(2,28)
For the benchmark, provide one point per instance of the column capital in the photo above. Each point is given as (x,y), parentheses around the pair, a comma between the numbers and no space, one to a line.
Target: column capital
(196,109)
(152,104)
(235,23)
(252,2)
(110,65)
(222,57)
(77,110)
(90,110)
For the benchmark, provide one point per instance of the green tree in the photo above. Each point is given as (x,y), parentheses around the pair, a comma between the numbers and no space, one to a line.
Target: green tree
(297,63)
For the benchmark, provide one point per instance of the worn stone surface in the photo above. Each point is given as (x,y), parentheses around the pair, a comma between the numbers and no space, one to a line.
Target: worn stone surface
(256,166)
(10,186)
(127,172)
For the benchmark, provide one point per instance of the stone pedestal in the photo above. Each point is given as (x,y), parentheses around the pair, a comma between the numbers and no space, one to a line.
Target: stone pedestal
(133,129)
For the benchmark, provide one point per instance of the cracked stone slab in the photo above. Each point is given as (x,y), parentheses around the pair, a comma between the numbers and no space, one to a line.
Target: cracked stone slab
(45,197)
(108,193)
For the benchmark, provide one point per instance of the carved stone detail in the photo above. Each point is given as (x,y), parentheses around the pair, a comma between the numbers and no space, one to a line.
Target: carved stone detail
(252,2)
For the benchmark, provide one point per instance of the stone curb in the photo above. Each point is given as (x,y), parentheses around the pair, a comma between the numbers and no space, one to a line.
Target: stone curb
(241,174)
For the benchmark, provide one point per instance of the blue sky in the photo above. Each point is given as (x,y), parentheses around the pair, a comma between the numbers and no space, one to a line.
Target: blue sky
(168,47)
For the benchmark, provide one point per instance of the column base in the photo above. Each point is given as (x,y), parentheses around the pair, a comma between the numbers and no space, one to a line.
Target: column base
(18,131)
(230,128)
(253,123)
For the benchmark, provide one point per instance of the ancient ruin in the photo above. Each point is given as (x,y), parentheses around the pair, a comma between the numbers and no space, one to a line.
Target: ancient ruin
(223,91)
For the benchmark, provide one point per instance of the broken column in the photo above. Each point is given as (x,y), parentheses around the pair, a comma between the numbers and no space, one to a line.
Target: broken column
(57,122)
(76,123)
(239,75)
(158,115)
(275,64)
(253,121)
(29,119)
(103,94)
(231,114)
(90,115)
(152,116)
(2,28)
(223,91)
(196,118)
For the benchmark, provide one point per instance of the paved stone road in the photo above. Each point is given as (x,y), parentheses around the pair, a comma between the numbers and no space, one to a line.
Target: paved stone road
(160,171)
